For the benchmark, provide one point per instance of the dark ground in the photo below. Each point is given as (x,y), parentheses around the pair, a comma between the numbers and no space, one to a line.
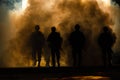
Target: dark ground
(58,73)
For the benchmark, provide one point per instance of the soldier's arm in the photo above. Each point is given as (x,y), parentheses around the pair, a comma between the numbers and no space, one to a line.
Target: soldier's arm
(114,37)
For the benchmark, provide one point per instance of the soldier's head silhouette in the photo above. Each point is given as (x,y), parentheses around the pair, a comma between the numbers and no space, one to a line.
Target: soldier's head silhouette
(77,27)
(53,29)
(37,27)
(105,29)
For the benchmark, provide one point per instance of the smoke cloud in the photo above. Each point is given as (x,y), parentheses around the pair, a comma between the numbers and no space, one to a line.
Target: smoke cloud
(63,14)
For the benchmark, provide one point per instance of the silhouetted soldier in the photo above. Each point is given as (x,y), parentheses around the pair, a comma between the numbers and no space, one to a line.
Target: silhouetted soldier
(77,41)
(55,41)
(106,41)
(37,42)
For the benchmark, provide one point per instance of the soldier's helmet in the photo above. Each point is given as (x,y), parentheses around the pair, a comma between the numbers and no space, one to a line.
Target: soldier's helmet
(37,27)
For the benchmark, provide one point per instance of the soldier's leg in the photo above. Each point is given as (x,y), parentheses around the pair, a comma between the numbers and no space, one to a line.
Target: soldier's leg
(79,57)
(39,56)
(58,57)
(104,56)
(110,52)
(74,57)
(34,57)
(53,57)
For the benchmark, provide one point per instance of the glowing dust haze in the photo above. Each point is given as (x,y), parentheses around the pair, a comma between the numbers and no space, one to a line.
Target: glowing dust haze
(92,15)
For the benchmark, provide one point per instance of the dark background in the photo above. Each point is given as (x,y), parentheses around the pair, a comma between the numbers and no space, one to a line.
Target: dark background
(117,1)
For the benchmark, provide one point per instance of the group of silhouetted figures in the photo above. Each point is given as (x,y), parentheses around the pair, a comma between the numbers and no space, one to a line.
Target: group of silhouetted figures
(76,39)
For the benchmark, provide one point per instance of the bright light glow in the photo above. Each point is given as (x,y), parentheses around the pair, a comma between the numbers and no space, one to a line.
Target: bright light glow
(100,2)
(49,4)
(107,2)
(104,5)
(24,4)
(104,2)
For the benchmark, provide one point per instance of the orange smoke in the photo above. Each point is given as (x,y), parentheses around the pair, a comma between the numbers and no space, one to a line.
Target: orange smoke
(64,14)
